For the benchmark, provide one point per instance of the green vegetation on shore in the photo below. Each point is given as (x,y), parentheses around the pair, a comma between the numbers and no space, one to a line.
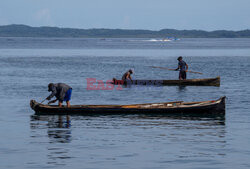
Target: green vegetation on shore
(27,31)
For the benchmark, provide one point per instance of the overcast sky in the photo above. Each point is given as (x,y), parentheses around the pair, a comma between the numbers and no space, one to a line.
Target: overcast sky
(129,14)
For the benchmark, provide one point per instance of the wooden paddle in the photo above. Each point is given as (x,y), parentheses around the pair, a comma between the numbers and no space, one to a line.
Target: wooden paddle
(174,69)
(43,101)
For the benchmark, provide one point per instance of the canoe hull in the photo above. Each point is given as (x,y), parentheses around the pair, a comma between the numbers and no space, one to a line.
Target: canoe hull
(214,108)
(187,82)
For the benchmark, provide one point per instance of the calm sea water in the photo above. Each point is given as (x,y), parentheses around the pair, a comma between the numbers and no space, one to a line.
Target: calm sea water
(150,142)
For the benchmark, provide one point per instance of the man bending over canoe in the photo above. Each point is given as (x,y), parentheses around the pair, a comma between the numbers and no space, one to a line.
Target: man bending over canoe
(183,67)
(61,91)
(127,75)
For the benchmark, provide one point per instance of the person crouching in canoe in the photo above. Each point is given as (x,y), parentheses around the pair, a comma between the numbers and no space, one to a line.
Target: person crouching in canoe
(61,91)
(183,67)
(127,76)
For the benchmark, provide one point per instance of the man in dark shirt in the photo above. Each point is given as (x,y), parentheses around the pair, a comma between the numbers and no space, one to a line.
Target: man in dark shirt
(127,75)
(183,67)
(61,91)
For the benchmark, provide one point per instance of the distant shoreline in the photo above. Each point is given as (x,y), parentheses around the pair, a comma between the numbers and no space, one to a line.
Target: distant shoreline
(55,32)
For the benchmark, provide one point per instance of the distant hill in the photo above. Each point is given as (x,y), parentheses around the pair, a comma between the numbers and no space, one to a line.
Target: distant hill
(28,31)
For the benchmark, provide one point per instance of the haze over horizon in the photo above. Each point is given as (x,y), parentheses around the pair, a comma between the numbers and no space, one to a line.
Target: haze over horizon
(206,15)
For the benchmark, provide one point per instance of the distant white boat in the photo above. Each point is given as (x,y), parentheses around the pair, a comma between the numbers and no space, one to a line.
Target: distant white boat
(159,40)
(166,40)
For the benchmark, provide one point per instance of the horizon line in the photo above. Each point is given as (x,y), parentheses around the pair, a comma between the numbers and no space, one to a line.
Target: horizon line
(124,28)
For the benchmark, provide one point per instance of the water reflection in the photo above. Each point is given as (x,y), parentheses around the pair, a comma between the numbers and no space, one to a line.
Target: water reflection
(58,132)
(113,137)
(58,127)
(181,88)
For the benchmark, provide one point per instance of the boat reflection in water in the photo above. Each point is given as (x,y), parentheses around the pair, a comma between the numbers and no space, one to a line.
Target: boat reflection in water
(58,127)
(58,131)
(67,139)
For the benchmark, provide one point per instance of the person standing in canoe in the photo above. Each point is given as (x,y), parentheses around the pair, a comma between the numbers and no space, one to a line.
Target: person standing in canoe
(183,67)
(127,76)
(61,91)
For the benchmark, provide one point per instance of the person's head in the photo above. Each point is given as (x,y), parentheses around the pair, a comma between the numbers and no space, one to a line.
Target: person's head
(50,87)
(130,71)
(179,58)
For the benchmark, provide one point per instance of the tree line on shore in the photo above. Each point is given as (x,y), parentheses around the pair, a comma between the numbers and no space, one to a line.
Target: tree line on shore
(28,31)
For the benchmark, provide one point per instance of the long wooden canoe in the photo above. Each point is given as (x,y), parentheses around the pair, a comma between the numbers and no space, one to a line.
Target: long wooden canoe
(187,82)
(180,108)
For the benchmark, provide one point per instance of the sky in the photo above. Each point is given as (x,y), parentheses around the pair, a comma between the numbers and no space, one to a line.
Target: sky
(129,14)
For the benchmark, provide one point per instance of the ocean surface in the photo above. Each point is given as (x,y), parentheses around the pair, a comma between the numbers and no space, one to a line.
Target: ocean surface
(27,65)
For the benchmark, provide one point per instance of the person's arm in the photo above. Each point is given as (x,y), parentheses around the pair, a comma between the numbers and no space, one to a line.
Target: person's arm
(52,94)
(186,67)
(52,101)
(129,76)
(178,67)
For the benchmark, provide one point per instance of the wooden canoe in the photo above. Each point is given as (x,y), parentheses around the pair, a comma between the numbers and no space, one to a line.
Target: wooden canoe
(187,82)
(179,108)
